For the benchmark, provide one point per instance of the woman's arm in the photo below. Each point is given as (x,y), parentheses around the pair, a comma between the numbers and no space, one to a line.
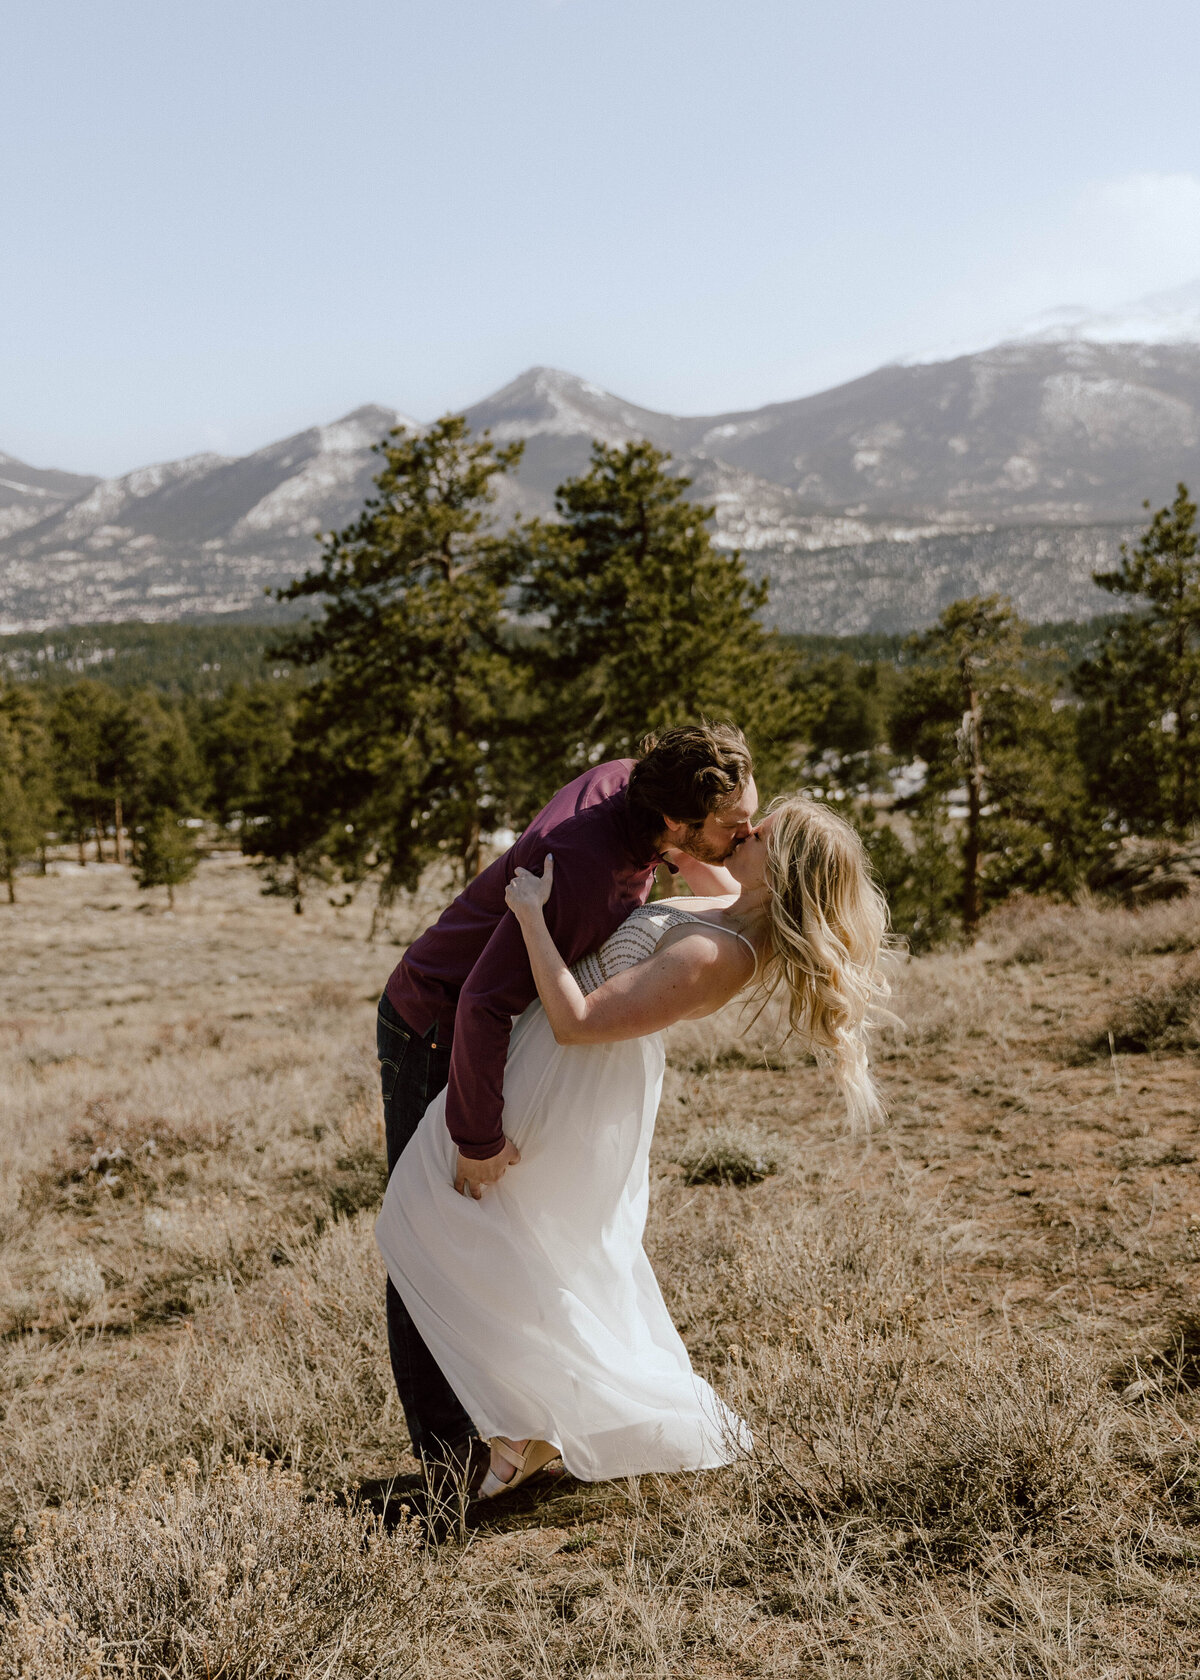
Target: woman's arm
(693,976)
(707,880)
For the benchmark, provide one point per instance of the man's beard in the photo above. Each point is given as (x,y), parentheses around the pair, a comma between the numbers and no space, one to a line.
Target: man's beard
(706,851)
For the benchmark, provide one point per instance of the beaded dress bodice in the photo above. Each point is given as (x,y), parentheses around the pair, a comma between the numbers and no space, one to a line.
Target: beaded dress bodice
(636,939)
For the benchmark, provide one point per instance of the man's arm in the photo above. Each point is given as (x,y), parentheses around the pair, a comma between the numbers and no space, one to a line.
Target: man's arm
(501,986)
(707,880)
(498,987)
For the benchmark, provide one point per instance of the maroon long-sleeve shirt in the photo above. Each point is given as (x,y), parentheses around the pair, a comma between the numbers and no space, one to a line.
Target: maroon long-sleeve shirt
(469,973)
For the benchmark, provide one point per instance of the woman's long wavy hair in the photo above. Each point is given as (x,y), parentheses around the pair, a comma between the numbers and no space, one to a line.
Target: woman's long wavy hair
(829,944)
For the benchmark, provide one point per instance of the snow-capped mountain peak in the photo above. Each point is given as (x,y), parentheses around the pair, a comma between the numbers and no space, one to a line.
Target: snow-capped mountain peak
(1170,317)
(360,429)
(1019,469)
(545,402)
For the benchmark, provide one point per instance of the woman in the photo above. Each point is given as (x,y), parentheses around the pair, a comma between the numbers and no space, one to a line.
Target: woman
(538,1301)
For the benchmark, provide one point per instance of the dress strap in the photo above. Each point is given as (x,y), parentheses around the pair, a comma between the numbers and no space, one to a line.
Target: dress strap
(746,942)
(690,916)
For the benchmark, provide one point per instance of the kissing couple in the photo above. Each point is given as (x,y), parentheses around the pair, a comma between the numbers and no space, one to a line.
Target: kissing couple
(521,1051)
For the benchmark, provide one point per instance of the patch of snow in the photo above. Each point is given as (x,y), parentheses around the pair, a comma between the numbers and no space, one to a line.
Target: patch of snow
(102,503)
(354,434)
(907,779)
(298,502)
(1170,317)
(1111,410)
(1020,472)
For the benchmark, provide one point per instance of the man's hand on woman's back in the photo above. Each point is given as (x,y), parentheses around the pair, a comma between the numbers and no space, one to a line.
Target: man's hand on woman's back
(471,1176)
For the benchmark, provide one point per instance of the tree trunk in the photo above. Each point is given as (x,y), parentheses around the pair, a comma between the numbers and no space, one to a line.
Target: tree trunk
(82,836)
(1184,812)
(170,895)
(970,898)
(41,857)
(1183,748)
(973,755)
(471,853)
(12,885)
(118,825)
(98,829)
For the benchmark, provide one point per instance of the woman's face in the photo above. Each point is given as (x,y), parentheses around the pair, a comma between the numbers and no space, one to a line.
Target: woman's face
(748,865)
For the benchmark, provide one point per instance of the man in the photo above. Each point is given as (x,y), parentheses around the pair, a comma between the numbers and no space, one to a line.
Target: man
(447,1011)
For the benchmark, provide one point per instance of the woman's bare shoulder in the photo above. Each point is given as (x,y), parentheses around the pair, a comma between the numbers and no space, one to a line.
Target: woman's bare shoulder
(707,948)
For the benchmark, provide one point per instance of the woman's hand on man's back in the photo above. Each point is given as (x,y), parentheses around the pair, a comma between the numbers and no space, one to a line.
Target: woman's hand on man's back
(526,893)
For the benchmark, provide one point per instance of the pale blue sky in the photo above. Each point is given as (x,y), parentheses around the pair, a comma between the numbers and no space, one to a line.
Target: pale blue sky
(222,220)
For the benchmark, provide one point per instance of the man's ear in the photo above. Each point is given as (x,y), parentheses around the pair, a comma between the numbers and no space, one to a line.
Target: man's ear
(676,831)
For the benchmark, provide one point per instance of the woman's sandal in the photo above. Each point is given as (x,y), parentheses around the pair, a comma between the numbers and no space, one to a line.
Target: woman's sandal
(536,1456)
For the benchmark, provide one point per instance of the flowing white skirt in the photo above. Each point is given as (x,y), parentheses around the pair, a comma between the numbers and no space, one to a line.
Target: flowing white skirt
(538,1302)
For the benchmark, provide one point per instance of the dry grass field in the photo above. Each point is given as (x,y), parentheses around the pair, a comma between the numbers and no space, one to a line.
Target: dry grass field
(969,1344)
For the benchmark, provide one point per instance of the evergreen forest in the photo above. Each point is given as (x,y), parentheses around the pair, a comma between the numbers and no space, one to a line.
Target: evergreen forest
(433,678)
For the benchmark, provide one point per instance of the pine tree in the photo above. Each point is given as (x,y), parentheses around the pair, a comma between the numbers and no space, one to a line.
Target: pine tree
(646,623)
(26,795)
(985,723)
(243,737)
(1140,727)
(165,770)
(166,852)
(76,723)
(842,709)
(922,880)
(119,756)
(403,746)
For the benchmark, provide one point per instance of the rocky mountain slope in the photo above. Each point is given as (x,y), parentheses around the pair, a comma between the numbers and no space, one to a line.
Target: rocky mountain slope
(30,494)
(1020,468)
(205,535)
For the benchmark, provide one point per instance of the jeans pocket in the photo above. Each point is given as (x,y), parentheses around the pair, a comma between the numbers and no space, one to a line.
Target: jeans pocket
(389,1072)
(393,1050)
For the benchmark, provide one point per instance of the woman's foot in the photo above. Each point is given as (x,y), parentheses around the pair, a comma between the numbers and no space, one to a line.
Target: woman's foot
(513,1462)
(506,1456)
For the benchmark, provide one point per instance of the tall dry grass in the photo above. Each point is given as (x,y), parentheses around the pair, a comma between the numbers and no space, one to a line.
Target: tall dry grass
(962,1341)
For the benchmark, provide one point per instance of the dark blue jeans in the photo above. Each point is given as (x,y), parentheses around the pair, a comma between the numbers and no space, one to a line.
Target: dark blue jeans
(412,1071)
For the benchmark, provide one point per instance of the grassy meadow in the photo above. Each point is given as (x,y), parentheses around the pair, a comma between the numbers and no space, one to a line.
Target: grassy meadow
(969,1344)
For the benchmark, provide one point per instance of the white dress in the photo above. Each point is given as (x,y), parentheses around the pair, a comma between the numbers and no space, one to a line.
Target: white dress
(538,1302)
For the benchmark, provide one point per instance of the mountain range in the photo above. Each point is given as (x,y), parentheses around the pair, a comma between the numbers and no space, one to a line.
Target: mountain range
(1020,468)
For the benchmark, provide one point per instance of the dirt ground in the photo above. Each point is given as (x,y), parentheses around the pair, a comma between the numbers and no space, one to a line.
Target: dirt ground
(969,1343)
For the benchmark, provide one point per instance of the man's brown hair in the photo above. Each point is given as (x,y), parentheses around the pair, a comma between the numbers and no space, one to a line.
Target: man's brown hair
(687,773)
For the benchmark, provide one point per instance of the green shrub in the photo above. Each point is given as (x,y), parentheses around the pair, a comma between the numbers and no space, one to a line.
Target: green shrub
(731,1153)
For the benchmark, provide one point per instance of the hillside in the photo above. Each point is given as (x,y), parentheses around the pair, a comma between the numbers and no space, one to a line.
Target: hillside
(207,534)
(30,495)
(1019,469)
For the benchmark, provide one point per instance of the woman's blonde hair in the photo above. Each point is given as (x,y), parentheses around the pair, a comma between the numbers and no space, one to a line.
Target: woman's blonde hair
(828,942)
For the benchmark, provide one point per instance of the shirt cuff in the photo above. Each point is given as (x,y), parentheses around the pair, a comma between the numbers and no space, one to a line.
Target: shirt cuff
(475,1151)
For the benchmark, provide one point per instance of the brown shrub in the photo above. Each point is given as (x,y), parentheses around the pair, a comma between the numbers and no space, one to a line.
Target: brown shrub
(1091,933)
(188,1579)
(1163,1018)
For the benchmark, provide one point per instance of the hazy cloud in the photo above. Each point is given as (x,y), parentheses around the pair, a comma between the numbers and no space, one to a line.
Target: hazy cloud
(1135,233)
